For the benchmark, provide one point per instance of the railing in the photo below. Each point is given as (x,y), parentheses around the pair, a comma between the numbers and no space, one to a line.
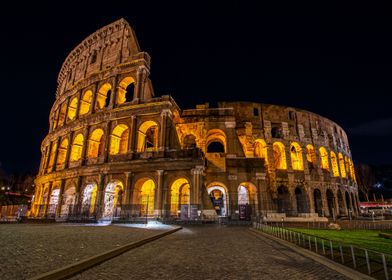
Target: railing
(373,263)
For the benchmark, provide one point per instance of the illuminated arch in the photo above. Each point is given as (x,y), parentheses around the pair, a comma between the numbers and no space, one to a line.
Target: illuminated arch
(63,110)
(189,141)
(324,158)
(247,194)
(219,197)
(148,136)
(52,154)
(311,156)
(73,105)
(216,141)
(334,162)
(119,140)
(279,155)
(85,103)
(112,199)
(296,156)
(144,196)
(180,191)
(77,148)
(125,90)
(261,150)
(88,199)
(95,144)
(342,166)
(68,201)
(103,96)
(347,165)
(62,153)
(352,170)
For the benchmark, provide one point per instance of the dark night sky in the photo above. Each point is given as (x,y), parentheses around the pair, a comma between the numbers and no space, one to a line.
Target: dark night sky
(335,61)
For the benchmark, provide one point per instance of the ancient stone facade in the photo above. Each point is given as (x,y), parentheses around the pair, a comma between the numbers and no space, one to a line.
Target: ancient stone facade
(115,151)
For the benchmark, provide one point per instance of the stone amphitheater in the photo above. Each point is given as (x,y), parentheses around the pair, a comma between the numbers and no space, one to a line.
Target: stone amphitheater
(116,151)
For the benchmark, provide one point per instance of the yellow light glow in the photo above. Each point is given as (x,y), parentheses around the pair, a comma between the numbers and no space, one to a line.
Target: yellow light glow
(52,155)
(102,95)
(85,103)
(260,150)
(179,194)
(122,89)
(95,144)
(147,194)
(73,105)
(147,137)
(77,148)
(342,166)
(334,162)
(296,156)
(62,154)
(63,110)
(311,155)
(279,155)
(119,140)
(324,158)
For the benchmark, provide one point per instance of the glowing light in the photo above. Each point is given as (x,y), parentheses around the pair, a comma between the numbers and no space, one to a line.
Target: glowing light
(334,161)
(95,145)
(77,148)
(119,140)
(85,103)
(279,155)
(147,137)
(296,156)
(72,108)
(324,158)
(342,166)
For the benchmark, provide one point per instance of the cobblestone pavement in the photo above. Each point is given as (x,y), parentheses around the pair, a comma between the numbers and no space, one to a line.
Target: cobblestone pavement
(27,250)
(211,252)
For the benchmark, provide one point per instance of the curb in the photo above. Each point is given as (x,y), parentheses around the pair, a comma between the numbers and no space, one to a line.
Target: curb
(342,269)
(77,267)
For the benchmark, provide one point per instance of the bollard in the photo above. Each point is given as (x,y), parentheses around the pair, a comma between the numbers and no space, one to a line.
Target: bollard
(330,245)
(384,263)
(353,255)
(310,244)
(341,252)
(367,262)
(322,246)
(315,244)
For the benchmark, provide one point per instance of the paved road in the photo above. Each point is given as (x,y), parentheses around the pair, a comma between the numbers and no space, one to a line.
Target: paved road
(211,252)
(27,250)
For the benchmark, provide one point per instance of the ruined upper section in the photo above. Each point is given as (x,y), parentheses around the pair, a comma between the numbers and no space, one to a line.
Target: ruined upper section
(109,46)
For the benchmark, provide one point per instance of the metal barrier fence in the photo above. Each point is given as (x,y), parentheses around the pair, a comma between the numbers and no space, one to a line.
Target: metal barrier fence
(373,263)
(12,212)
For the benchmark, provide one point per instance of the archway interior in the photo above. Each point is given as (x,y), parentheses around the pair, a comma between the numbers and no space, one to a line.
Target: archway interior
(283,200)
(53,201)
(331,203)
(180,196)
(318,203)
(218,198)
(112,199)
(300,196)
(146,198)
(68,201)
(89,198)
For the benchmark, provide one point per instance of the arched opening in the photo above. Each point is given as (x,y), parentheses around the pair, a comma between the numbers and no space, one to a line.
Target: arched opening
(311,157)
(85,103)
(88,200)
(247,200)
(342,166)
(63,110)
(148,137)
(103,96)
(68,202)
(283,201)
(215,147)
(119,140)
(279,155)
(348,204)
(296,156)
(62,153)
(189,141)
(95,144)
(180,199)
(144,196)
(125,90)
(324,158)
(347,165)
(216,141)
(352,170)
(302,203)
(219,199)
(52,154)
(334,162)
(342,211)
(53,202)
(112,200)
(318,202)
(73,105)
(331,203)
(77,148)
(260,150)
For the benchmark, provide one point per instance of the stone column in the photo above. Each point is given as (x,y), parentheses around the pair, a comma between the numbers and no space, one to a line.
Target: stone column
(94,98)
(98,208)
(107,140)
(132,135)
(60,201)
(163,141)
(85,143)
(78,105)
(128,185)
(45,167)
(195,194)
(69,148)
(56,154)
(141,76)
(76,210)
(48,198)
(159,202)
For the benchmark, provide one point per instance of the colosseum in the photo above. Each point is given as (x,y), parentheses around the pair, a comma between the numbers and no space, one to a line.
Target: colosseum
(116,151)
